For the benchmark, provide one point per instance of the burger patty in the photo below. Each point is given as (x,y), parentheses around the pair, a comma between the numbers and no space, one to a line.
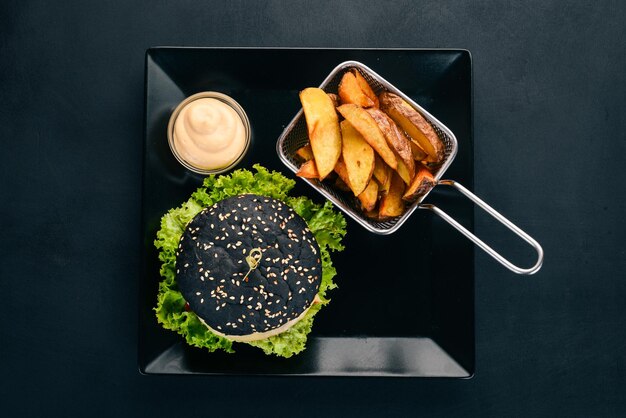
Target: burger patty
(233,295)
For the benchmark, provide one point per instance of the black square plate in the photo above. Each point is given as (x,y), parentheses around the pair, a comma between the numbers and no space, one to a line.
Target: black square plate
(405,302)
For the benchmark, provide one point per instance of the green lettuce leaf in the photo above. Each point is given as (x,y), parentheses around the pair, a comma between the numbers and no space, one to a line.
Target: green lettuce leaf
(327,225)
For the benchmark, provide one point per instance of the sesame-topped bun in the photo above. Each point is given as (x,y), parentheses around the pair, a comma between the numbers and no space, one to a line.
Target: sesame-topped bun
(249,267)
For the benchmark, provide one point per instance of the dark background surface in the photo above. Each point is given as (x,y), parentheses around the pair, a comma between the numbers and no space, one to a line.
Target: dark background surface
(549,147)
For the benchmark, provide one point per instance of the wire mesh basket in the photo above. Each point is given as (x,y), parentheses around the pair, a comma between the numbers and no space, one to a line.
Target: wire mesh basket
(296,136)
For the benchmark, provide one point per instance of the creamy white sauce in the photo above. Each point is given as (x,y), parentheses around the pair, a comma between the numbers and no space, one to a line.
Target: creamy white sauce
(209,134)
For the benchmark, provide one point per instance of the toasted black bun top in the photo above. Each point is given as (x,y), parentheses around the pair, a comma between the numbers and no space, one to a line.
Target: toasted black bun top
(211,265)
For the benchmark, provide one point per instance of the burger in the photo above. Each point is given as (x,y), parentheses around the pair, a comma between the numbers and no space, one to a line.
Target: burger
(249,267)
(244,262)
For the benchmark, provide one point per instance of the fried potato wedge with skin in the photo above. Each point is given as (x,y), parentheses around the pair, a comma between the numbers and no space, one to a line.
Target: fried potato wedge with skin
(381,170)
(413,123)
(350,91)
(323,126)
(384,187)
(369,196)
(398,141)
(367,126)
(382,173)
(422,183)
(365,87)
(358,156)
(403,147)
(403,172)
(418,152)
(391,204)
(342,172)
(308,170)
(305,153)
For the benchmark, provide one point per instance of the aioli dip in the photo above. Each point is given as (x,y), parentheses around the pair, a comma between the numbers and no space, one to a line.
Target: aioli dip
(208,134)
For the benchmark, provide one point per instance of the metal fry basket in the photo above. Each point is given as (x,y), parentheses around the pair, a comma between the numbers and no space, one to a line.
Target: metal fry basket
(295,136)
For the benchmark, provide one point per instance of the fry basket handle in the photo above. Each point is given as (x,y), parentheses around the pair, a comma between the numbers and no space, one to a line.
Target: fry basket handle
(477,240)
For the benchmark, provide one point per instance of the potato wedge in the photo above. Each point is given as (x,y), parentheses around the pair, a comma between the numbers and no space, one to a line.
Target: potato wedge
(391,204)
(384,187)
(383,174)
(365,87)
(305,153)
(350,91)
(367,126)
(308,170)
(342,172)
(369,196)
(413,123)
(358,156)
(381,170)
(403,172)
(422,183)
(418,152)
(398,141)
(403,146)
(323,126)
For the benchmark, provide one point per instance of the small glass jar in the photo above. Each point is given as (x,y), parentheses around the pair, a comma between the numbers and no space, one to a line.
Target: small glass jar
(234,157)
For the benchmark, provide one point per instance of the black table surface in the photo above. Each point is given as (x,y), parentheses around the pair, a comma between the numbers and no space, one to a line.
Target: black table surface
(549,149)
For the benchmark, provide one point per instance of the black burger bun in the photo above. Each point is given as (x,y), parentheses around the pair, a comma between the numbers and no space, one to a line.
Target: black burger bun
(219,279)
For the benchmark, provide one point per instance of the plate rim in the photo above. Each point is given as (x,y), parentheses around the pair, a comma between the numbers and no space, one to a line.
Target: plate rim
(149,55)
